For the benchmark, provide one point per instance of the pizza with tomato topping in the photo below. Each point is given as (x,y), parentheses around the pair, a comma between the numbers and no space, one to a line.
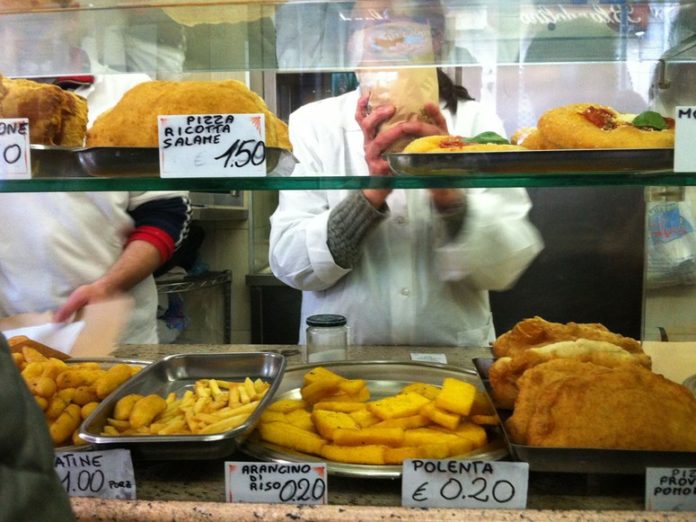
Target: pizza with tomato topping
(484,142)
(595,126)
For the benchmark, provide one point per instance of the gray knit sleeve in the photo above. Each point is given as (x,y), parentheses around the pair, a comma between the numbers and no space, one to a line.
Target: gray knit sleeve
(349,221)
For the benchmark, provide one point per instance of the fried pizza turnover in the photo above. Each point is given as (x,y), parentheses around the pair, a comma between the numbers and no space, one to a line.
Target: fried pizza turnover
(536,331)
(572,404)
(595,126)
(56,117)
(132,122)
(505,372)
(448,144)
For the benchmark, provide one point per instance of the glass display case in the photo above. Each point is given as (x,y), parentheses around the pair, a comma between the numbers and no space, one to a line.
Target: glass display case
(599,211)
(519,58)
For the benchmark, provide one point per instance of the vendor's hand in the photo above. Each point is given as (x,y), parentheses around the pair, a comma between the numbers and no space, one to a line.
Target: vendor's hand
(375,142)
(81,297)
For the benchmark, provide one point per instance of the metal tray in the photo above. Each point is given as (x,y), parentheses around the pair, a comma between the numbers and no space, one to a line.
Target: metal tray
(586,460)
(49,161)
(533,162)
(176,373)
(104,362)
(143,162)
(383,378)
(124,162)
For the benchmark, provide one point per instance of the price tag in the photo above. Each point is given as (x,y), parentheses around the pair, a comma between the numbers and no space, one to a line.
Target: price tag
(103,474)
(15,159)
(684,139)
(271,483)
(429,357)
(464,484)
(212,146)
(670,489)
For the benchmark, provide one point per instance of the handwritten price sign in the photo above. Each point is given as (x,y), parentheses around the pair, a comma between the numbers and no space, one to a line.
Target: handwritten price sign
(212,146)
(670,489)
(272,483)
(15,160)
(464,484)
(103,474)
(684,137)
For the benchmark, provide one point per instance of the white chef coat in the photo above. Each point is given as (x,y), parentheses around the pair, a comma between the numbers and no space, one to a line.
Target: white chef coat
(412,284)
(54,242)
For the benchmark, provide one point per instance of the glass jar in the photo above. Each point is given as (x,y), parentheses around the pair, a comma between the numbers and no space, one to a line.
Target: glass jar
(327,338)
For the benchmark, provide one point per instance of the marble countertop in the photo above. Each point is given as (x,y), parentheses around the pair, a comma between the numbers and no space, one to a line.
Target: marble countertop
(194,490)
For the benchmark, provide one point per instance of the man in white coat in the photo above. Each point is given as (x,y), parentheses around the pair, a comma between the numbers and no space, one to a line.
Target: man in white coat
(406,267)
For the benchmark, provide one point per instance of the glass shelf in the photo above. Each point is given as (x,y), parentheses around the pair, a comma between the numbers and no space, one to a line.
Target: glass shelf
(171,38)
(350,182)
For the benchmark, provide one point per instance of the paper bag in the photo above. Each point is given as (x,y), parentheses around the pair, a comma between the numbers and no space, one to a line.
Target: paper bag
(93,333)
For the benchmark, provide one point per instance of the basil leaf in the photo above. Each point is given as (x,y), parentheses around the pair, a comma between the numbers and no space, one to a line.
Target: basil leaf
(650,119)
(488,137)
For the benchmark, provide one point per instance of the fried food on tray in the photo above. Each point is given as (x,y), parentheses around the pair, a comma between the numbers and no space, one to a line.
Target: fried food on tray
(505,372)
(530,138)
(595,126)
(67,393)
(132,122)
(56,117)
(567,403)
(336,420)
(212,406)
(536,332)
(446,144)
(19,344)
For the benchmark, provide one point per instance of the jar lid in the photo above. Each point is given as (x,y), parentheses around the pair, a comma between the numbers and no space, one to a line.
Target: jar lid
(326,320)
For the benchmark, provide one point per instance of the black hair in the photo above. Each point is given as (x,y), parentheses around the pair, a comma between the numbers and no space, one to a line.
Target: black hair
(450,92)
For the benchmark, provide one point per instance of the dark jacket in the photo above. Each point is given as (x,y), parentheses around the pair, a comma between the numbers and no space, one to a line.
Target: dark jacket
(29,486)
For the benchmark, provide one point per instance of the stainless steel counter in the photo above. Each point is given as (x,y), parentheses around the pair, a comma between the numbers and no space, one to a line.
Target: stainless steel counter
(194,490)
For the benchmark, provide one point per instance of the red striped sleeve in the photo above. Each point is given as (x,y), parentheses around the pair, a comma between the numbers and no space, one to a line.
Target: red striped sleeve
(157,237)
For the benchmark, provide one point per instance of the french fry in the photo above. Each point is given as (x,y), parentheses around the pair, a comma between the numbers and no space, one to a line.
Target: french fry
(224,424)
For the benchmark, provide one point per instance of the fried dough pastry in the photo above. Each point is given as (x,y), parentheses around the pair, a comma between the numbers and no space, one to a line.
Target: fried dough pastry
(566,403)
(530,138)
(132,122)
(445,144)
(594,126)
(536,332)
(56,117)
(505,372)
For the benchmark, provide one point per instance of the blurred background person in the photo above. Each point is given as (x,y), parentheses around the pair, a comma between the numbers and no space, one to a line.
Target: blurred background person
(405,267)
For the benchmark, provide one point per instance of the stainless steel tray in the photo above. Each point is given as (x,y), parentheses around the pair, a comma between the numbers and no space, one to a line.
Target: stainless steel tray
(176,373)
(383,378)
(124,162)
(533,162)
(585,460)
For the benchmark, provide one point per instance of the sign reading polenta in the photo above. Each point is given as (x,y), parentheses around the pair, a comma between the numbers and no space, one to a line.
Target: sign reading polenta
(212,146)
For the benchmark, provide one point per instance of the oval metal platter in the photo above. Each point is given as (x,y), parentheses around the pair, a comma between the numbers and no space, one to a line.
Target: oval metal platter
(383,378)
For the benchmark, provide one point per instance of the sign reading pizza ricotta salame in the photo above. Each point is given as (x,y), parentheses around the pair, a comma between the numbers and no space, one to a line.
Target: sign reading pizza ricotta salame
(15,157)
(276,483)
(212,145)
(684,139)
(464,484)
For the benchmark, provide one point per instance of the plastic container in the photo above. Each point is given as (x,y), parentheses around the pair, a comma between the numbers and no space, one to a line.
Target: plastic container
(327,338)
